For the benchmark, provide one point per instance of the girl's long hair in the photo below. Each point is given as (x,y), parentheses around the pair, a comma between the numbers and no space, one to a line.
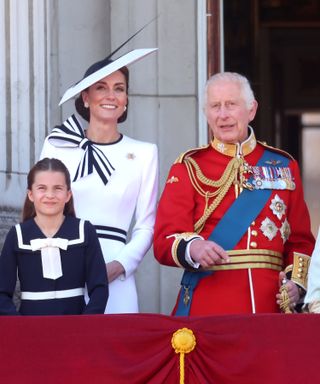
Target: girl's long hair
(53,165)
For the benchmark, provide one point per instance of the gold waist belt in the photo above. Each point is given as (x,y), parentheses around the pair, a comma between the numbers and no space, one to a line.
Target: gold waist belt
(249,258)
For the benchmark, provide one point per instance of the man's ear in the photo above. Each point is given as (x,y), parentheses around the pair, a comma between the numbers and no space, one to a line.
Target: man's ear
(253,110)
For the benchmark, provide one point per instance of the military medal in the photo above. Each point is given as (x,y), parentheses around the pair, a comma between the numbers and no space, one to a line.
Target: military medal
(268,228)
(278,207)
(285,230)
(272,178)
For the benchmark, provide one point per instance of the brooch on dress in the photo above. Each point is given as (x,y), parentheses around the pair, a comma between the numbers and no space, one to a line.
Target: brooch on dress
(131,156)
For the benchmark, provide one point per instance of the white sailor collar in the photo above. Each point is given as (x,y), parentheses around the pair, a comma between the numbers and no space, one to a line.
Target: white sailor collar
(25,244)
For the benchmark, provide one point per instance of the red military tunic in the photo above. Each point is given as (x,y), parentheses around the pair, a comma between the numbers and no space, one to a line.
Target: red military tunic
(280,231)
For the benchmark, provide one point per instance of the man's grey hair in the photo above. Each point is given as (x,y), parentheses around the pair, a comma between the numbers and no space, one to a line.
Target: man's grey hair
(232,77)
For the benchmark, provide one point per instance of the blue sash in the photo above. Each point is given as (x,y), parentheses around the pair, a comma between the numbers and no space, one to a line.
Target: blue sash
(229,230)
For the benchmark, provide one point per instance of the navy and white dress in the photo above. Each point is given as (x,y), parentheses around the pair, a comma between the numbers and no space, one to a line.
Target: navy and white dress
(53,286)
(115,187)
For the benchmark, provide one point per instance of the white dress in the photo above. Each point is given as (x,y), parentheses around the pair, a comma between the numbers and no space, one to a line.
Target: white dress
(126,200)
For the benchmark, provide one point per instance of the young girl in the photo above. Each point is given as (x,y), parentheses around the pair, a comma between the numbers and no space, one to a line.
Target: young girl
(54,253)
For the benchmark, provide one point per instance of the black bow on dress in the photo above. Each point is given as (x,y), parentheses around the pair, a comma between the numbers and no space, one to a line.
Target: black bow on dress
(71,134)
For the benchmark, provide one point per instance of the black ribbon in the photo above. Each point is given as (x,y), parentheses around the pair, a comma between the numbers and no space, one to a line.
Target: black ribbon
(93,159)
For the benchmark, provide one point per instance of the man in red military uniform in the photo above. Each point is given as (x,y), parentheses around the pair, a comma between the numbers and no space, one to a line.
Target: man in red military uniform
(233,215)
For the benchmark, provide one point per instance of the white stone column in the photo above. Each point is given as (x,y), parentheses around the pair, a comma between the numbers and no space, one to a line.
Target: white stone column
(20,93)
(3,99)
(40,84)
(24,27)
(23,84)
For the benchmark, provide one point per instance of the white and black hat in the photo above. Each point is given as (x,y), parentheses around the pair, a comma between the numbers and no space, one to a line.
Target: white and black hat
(103,68)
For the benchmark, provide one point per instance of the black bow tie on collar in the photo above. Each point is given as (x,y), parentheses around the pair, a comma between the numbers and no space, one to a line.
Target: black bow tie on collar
(71,134)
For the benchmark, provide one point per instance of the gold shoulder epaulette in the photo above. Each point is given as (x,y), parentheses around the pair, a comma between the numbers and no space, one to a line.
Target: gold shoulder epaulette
(190,152)
(274,149)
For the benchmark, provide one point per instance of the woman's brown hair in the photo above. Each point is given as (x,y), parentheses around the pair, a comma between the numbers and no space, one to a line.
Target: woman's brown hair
(53,165)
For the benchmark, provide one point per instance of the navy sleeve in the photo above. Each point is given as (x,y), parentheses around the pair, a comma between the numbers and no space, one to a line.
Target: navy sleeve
(96,274)
(8,274)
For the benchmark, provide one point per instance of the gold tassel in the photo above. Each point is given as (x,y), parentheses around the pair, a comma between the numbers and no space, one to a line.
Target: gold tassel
(183,341)
(285,300)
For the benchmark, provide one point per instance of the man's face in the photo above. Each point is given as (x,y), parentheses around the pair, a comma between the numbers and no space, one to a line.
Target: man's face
(227,114)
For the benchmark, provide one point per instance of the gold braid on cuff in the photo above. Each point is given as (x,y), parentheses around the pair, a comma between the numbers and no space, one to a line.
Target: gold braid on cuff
(186,236)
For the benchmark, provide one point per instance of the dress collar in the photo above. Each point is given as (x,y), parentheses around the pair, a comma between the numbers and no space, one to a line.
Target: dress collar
(232,150)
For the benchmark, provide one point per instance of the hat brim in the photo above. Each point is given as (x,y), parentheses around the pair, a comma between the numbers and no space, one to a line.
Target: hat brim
(122,61)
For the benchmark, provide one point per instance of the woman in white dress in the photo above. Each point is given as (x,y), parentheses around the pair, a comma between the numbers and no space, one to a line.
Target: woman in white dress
(115,178)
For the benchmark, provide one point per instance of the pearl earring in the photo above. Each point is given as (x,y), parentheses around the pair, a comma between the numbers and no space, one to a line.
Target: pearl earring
(125,108)
(86,104)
